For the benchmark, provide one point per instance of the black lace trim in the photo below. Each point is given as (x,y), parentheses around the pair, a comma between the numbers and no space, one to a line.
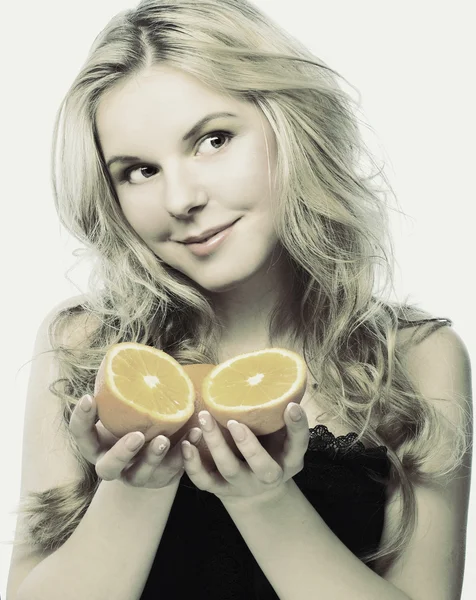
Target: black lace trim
(340,468)
(321,439)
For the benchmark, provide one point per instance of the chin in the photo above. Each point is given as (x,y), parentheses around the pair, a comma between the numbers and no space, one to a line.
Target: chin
(218,286)
(204,286)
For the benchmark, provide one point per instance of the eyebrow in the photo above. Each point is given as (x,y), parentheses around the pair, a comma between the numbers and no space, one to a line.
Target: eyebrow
(193,131)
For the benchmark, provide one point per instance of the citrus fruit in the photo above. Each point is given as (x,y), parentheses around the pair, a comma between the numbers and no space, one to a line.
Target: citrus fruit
(197,373)
(255,388)
(141,388)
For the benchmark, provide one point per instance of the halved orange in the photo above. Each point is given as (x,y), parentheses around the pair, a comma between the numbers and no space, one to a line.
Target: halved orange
(255,388)
(141,388)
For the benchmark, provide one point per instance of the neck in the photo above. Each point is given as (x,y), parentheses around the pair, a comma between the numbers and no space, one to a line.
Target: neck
(244,312)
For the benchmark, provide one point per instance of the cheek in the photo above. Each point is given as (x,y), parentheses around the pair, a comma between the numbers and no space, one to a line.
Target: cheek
(143,215)
(249,172)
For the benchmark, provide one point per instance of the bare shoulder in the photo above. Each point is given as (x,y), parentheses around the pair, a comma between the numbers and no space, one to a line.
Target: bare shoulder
(45,446)
(440,367)
(75,329)
(444,338)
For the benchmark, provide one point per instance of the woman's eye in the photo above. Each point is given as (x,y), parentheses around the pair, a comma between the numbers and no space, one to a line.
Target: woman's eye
(139,172)
(215,140)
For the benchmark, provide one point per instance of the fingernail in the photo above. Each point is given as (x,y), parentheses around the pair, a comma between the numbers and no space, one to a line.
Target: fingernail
(159,445)
(295,412)
(187,450)
(194,435)
(86,403)
(205,421)
(134,440)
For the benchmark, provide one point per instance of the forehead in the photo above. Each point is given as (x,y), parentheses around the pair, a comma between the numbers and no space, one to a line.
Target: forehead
(161,98)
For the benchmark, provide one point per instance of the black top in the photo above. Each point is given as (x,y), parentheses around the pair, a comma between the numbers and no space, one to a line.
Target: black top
(203,555)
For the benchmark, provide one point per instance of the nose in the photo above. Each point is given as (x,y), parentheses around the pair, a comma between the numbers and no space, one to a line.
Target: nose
(182,194)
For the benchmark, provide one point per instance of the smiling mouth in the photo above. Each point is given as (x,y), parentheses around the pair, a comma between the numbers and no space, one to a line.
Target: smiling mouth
(202,241)
(212,243)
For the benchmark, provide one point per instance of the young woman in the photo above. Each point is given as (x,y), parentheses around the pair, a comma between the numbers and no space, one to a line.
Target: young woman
(191,118)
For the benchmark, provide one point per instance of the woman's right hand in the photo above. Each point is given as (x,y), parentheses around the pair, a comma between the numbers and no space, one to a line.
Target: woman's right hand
(143,465)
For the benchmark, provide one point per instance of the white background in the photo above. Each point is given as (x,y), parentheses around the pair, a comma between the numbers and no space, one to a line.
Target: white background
(411,61)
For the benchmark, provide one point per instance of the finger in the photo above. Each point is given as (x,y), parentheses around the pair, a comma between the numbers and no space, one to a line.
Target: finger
(111,464)
(261,463)
(158,454)
(173,462)
(82,426)
(197,473)
(225,460)
(297,438)
(150,457)
(174,457)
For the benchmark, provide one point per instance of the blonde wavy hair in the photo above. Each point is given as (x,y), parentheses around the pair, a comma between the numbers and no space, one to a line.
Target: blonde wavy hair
(330,218)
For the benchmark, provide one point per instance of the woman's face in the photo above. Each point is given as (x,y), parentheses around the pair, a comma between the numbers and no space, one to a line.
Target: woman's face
(199,160)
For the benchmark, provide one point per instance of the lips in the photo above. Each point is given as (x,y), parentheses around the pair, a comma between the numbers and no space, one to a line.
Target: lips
(211,246)
(199,240)
(210,236)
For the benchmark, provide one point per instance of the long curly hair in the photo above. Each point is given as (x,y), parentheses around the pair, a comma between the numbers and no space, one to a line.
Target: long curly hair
(330,216)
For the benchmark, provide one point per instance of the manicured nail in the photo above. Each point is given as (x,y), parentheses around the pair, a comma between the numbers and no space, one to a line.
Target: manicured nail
(86,403)
(187,449)
(134,440)
(205,421)
(237,430)
(194,435)
(295,412)
(159,445)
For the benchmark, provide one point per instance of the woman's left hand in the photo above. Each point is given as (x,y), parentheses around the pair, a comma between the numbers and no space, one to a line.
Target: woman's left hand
(264,472)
